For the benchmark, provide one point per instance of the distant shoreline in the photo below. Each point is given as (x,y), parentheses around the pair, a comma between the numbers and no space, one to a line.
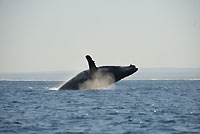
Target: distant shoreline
(142,74)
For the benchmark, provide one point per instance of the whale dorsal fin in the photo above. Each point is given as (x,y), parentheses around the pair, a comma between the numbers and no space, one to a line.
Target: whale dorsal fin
(91,64)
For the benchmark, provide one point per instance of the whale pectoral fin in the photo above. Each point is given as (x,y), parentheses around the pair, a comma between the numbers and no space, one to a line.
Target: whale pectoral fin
(91,64)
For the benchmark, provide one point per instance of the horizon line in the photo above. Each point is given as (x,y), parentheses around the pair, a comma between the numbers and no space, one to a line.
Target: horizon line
(73,71)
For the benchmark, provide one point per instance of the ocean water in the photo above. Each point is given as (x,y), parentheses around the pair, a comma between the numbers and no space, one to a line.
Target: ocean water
(129,106)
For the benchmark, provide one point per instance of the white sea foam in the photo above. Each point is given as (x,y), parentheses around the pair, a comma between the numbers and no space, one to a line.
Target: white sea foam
(53,88)
(99,81)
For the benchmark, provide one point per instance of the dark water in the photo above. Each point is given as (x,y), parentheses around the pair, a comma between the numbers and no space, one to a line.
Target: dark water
(131,106)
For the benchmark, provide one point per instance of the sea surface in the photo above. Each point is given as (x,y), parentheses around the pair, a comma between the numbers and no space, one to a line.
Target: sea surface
(129,106)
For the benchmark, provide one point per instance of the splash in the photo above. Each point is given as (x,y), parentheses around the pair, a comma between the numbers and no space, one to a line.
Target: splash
(99,80)
(53,88)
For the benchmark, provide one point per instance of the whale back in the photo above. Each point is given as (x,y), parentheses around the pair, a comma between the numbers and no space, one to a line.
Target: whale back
(90,80)
(76,81)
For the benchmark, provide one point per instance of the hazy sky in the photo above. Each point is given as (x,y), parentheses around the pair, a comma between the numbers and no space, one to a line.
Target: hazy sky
(55,35)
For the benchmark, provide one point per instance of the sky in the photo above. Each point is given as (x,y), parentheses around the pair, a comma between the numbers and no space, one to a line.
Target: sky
(55,35)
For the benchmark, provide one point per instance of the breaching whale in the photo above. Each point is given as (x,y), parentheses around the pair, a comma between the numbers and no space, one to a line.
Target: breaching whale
(98,77)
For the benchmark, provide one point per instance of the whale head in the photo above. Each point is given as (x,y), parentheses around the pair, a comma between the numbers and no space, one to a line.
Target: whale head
(124,71)
(128,70)
(118,72)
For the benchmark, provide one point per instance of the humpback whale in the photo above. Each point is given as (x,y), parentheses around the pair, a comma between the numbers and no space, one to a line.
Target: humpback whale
(98,77)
